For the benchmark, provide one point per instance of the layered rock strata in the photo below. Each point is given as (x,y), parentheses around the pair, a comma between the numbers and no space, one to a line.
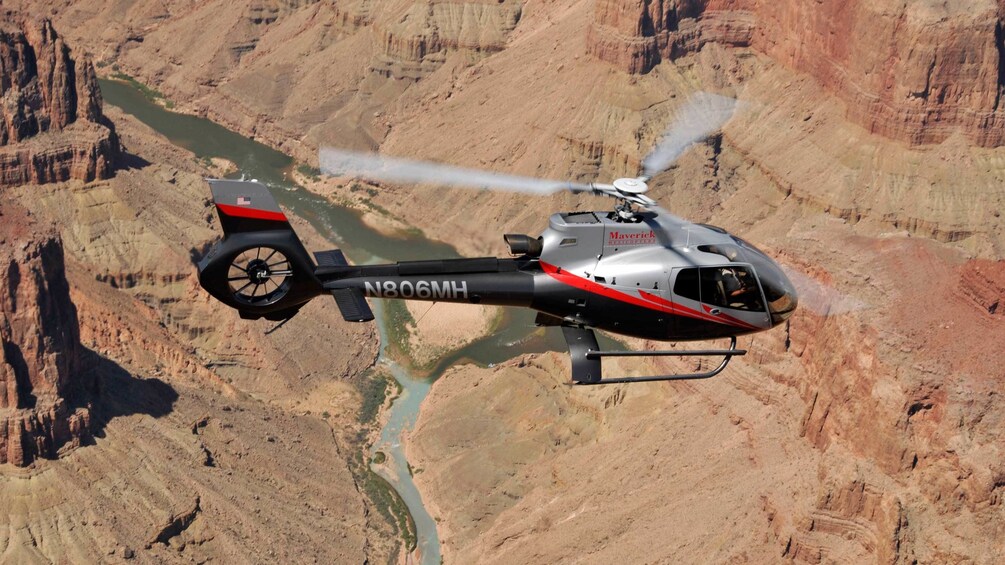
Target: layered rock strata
(208,448)
(915,72)
(51,125)
(42,359)
(418,43)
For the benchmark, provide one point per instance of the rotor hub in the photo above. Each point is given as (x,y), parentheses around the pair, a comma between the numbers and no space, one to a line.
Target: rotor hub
(631,186)
(258,271)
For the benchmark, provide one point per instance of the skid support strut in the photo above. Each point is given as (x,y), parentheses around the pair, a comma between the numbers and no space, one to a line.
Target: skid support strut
(586,359)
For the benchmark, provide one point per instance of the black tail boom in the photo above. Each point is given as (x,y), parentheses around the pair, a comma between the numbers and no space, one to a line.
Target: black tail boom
(489,280)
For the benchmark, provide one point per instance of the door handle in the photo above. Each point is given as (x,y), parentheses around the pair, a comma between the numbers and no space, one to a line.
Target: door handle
(715,311)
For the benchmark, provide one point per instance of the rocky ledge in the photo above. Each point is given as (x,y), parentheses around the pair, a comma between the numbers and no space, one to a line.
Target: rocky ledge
(51,125)
(42,361)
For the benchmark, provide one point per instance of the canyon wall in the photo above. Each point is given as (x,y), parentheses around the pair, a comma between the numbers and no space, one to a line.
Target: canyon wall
(418,42)
(201,446)
(211,431)
(915,72)
(43,365)
(51,129)
(51,125)
(636,35)
(529,101)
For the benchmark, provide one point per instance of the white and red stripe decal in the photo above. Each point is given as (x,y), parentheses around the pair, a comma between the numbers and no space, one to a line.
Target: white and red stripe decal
(645,299)
(252,213)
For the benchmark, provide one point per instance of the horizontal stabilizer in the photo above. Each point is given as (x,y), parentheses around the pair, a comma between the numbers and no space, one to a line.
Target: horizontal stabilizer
(352,304)
(333,258)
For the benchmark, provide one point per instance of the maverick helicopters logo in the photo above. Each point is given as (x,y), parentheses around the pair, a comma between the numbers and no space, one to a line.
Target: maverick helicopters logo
(621,239)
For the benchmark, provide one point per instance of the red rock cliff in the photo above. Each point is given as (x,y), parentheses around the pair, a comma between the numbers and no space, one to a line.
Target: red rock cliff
(42,357)
(915,71)
(51,125)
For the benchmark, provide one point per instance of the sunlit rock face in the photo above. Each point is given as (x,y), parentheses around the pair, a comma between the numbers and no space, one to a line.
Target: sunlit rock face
(51,125)
(912,71)
(43,362)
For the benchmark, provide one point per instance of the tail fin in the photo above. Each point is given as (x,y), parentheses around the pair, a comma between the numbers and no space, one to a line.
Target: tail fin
(260,267)
(245,206)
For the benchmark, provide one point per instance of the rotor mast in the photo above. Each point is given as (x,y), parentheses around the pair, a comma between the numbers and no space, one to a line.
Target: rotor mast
(628,192)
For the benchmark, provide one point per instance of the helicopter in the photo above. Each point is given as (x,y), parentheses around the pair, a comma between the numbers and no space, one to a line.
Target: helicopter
(636,270)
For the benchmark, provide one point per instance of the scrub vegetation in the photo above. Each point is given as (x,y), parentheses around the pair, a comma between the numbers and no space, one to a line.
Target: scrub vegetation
(387,501)
(373,386)
(152,93)
(312,173)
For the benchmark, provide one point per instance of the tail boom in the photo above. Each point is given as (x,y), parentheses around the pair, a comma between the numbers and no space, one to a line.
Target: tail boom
(489,280)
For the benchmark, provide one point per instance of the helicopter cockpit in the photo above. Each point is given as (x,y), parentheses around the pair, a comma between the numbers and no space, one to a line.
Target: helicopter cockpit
(739,285)
(731,286)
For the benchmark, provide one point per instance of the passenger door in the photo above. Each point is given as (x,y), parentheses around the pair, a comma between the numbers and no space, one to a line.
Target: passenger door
(728,297)
(733,294)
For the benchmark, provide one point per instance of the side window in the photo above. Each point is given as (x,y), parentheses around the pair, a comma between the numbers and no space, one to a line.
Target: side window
(686,285)
(731,287)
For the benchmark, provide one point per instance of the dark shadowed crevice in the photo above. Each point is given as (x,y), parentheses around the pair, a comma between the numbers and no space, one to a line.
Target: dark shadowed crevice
(14,276)
(13,356)
(177,524)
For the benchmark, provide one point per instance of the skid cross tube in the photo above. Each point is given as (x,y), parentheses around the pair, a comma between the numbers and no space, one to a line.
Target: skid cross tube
(586,359)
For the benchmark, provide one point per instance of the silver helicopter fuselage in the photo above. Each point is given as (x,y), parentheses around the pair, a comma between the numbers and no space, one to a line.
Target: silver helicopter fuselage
(673,273)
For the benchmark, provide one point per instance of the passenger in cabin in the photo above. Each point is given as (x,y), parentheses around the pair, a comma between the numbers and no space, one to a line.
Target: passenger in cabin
(731,285)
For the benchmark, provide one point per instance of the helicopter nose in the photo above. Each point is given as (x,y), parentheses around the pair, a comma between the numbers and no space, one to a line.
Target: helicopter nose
(782,297)
(778,289)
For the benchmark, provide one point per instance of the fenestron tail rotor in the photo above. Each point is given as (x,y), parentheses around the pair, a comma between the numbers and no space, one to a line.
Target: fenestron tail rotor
(259,276)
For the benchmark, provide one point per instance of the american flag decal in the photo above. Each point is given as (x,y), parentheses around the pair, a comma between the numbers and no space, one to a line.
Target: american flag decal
(243,201)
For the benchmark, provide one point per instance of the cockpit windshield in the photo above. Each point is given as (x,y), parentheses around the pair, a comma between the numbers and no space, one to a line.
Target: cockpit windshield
(778,290)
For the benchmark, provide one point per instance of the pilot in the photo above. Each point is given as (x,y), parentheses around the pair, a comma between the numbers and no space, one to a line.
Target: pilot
(731,283)
(741,288)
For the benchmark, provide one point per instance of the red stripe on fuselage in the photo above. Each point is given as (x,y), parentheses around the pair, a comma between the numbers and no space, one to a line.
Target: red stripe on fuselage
(576,281)
(243,212)
(685,311)
(647,300)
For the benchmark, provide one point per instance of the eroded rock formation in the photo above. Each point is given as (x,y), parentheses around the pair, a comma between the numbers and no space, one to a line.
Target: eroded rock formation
(915,72)
(417,43)
(43,360)
(637,35)
(52,127)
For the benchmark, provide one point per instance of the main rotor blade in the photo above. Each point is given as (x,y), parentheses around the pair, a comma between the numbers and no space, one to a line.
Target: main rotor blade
(660,211)
(338,162)
(699,117)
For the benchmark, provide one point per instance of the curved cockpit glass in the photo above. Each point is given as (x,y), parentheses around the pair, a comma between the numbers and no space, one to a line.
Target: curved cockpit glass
(729,286)
(778,289)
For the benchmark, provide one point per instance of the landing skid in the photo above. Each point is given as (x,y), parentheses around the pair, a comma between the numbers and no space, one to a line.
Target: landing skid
(586,358)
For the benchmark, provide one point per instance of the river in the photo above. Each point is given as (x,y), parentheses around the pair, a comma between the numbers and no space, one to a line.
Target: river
(516,334)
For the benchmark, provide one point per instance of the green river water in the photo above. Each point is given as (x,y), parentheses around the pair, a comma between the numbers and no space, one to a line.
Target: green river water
(516,334)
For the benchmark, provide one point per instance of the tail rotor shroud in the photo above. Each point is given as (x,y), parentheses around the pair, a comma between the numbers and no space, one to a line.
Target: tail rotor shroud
(260,267)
